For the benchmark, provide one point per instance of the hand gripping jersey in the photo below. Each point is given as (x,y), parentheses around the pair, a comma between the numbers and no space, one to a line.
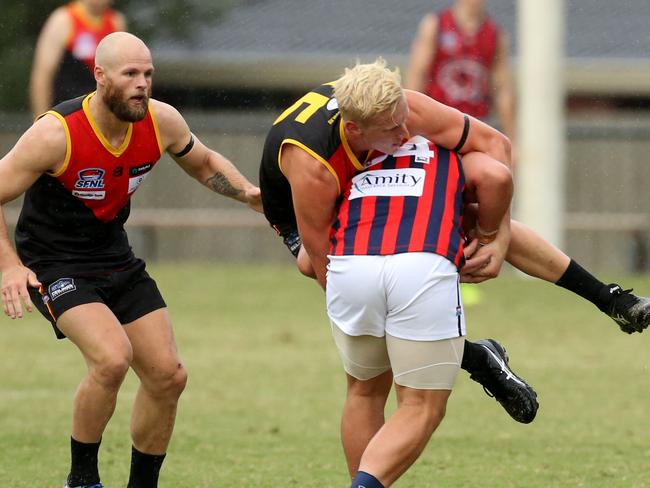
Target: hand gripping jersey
(313,123)
(75,74)
(460,73)
(73,220)
(410,201)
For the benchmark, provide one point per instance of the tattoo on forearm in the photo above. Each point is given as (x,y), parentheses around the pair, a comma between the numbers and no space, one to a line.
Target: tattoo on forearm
(221,184)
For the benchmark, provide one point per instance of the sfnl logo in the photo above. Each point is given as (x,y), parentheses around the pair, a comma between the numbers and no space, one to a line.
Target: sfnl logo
(90,184)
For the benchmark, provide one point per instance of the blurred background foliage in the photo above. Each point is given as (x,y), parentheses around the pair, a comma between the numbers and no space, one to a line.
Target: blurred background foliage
(22,21)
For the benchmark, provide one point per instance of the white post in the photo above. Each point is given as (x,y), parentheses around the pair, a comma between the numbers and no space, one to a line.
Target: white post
(541,118)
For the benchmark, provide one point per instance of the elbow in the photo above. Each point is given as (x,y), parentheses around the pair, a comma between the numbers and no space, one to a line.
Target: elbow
(304,264)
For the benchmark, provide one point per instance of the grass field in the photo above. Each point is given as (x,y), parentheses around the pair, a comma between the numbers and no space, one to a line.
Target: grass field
(265,391)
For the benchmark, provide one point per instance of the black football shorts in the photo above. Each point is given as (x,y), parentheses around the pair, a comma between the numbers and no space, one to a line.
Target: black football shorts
(129,293)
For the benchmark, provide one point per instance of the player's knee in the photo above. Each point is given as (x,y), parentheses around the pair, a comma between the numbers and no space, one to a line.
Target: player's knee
(428,410)
(111,371)
(169,381)
(430,417)
(502,175)
(179,380)
(435,414)
(374,388)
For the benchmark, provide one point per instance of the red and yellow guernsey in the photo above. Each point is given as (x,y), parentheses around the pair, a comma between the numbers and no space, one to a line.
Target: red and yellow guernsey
(411,201)
(73,219)
(75,74)
(460,73)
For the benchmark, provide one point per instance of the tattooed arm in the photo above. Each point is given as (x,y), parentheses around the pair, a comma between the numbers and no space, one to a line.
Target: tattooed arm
(217,173)
(207,166)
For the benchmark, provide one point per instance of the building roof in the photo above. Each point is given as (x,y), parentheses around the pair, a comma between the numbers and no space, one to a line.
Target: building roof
(300,43)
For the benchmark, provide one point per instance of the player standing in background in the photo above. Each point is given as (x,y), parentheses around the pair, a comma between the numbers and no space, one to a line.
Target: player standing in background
(460,58)
(64,59)
(78,166)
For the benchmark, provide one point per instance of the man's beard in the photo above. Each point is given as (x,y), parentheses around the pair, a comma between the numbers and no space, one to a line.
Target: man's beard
(114,100)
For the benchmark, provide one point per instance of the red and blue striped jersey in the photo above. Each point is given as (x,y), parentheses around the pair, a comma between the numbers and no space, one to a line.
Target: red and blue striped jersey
(411,201)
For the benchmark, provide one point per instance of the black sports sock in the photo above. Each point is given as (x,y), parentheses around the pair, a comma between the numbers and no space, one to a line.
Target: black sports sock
(583,283)
(83,468)
(145,469)
(365,480)
(473,356)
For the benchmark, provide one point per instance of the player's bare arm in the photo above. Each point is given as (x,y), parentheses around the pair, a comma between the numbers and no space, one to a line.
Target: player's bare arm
(314,191)
(423,50)
(445,125)
(47,57)
(42,148)
(205,165)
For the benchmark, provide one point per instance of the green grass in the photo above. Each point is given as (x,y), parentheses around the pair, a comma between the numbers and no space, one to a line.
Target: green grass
(265,391)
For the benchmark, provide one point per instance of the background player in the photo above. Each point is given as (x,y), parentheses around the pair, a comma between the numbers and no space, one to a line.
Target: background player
(460,58)
(65,51)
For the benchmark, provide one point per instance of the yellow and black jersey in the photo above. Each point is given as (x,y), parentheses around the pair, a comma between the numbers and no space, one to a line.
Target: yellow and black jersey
(313,123)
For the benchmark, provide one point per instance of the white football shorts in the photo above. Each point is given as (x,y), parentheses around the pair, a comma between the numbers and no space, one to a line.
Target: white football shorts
(413,296)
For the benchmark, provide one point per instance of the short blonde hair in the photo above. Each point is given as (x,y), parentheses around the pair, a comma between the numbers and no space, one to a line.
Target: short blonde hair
(367,91)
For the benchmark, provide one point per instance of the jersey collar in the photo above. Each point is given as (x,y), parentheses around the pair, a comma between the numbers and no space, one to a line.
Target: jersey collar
(351,156)
(117,152)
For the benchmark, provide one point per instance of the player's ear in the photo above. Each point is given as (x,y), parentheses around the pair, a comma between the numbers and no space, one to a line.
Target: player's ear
(100,75)
(353,128)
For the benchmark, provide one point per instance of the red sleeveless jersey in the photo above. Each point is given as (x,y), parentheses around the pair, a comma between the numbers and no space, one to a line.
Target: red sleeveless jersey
(74,76)
(103,177)
(74,219)
(410,201)
(460,73)
(86,33)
